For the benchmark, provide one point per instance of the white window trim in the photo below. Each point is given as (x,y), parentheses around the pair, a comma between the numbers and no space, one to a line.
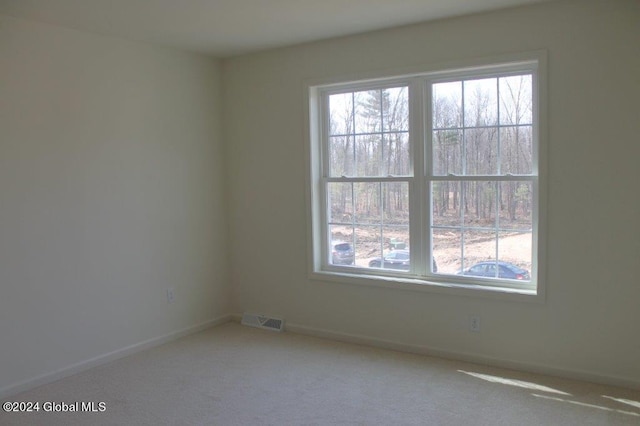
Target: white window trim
(319,270)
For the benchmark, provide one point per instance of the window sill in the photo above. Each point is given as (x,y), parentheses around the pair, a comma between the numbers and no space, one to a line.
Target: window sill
(431,286)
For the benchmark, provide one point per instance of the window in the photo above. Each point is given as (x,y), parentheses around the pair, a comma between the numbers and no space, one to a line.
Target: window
(429,179)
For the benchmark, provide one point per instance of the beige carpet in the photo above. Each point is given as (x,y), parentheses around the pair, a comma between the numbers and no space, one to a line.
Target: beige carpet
(235,375)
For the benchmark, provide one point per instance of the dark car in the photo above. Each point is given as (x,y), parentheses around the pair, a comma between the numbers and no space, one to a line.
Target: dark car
(342,253)
(396,259)
(505,270)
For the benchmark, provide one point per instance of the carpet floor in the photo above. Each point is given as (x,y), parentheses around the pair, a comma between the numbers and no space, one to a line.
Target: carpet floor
(236,375)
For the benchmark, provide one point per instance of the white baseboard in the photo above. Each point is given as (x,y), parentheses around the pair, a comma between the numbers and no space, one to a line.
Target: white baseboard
(28,384)
(462,356)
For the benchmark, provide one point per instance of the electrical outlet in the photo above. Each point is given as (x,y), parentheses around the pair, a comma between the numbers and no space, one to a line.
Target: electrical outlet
(474,324)
(171,295)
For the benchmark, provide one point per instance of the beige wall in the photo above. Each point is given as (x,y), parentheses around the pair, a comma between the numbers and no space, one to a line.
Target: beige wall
(589,323)
(111,191)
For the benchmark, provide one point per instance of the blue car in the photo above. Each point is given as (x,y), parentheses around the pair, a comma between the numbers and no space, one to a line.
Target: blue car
(505,270)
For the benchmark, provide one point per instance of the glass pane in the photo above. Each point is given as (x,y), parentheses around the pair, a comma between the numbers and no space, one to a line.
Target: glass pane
(480,198)
(396,154)
(371,199)
(369,155)
(434,261)
(447,250)
(341,250)
(368,208)
(341,156)
(516,150)
(369,244)
(481,151)
(395,253)
(381,221)
(340,201)
(395,107)
(467,234)
(515,251)
(395,200)
(447,152)
(446,203)
(516,100)
(479,252)
(516,206)
(447,105)
(481,102)
(368,111)
(341,114)
(396,237)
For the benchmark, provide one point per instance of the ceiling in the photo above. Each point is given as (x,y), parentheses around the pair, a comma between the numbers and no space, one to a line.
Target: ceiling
(231,27)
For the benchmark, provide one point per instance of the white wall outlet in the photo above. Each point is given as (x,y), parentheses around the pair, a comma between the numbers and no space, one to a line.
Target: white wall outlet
(474,324)
(171,295)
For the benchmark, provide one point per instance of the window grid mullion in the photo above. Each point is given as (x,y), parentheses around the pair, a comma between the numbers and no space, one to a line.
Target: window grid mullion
(353,123)
(422,140)
(499,160)
(488,126)
(485,178)
(382,162)
(499,167)
(498,190)
(387,132)
(463,154)
(498,194)
(381,225)
(368,179)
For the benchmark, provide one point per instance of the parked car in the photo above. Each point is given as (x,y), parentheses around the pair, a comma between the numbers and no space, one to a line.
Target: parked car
(396,259)
(342,253)
(395,244)
(505,270)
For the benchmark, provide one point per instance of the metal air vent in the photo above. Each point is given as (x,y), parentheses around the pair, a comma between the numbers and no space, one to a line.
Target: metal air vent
(260,321)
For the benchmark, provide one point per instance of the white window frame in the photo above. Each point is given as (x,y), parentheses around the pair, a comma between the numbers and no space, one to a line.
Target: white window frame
(419,82)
